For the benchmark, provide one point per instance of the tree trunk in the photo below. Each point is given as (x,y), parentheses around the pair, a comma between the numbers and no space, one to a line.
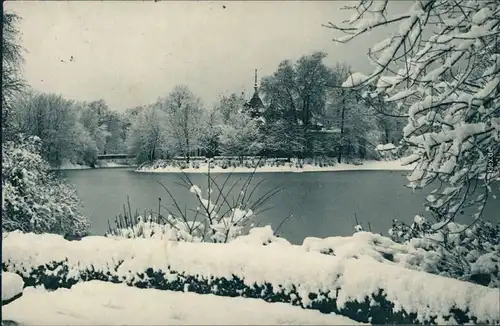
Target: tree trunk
(362,149)
(339,158)
(306,123)
(152,153)
(307,145)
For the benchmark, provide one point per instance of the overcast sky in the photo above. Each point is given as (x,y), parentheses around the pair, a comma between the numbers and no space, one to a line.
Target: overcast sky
(130,53)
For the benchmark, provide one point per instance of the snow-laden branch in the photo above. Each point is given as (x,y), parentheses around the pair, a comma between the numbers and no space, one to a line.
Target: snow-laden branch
(450,84)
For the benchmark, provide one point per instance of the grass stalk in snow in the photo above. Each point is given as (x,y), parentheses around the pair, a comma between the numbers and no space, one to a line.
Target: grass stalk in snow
(218,217)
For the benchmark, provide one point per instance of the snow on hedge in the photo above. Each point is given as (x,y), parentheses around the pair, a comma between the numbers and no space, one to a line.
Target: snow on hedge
(118,304)
(289,272)
(12,286)
(378,247)
(261,236)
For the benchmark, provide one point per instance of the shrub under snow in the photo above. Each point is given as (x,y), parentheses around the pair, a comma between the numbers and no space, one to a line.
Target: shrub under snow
(231,162)
(33,200)
(360,288)
(211,222)
(469,253)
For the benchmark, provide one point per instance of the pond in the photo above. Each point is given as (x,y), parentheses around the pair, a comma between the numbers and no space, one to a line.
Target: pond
(322,204)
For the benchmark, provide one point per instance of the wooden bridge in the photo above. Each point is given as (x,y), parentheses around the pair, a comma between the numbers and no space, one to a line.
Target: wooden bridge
(113,156)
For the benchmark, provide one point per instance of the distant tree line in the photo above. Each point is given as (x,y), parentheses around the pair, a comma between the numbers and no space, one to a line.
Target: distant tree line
(305,113)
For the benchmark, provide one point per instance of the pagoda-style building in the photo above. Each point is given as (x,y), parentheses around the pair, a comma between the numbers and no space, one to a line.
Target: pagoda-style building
(255,107)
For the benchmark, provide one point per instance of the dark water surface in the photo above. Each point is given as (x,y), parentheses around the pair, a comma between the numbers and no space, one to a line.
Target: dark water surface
(322,203)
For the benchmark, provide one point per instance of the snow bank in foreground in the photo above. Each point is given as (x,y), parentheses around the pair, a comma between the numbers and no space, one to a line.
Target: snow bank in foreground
(366,166)
(102,303)
(280,272)
(12,286)
(261,236)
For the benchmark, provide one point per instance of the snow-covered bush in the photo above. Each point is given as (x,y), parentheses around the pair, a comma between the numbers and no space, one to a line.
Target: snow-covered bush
(441,66)
(358,228)
(249,162)
(469,253)
(361,243)
(360,288)
(218,218)
(33,200)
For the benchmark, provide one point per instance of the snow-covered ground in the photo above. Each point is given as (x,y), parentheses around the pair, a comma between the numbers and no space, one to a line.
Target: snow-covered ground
(71,166)
(112,164)
(366,166)
(287,267)
(103,303)
(66,165)
(12,285)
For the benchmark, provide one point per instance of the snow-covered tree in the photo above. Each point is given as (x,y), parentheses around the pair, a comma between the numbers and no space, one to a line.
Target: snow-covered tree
(85,149)
(114,126)
(354,120)
(230,105)
(33,200)
(106,125)
(449,83)
(184,111)
(50,117)
(282,138)
(240,136)
(12,82)
(103,125)
(126,118)
(390,127)
(149,139)
(357,126)
(296,93)
(210,132)
(90,121)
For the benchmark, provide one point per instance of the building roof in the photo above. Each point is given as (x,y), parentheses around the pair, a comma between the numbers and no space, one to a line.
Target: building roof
(255,102)
(255,106)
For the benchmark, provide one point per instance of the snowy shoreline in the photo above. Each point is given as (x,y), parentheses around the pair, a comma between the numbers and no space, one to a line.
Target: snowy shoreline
(365,166)
(105,165)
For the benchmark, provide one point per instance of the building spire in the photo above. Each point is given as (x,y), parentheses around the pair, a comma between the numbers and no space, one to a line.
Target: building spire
(255,84)
(255,105)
